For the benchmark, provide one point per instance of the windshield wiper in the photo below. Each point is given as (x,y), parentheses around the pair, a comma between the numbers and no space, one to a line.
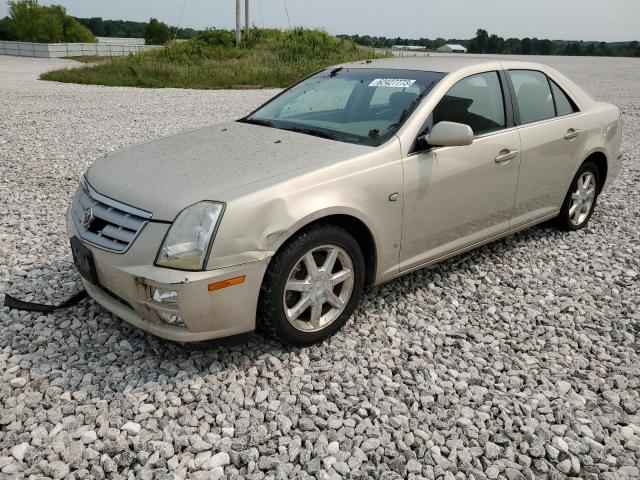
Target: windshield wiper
(311,131)
(259,121)
(304,130)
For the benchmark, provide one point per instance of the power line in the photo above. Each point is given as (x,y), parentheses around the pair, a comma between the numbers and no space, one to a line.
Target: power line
(286,9)
(175,35)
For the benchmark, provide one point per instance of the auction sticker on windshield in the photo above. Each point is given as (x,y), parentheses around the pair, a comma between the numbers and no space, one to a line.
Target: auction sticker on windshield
(392,82)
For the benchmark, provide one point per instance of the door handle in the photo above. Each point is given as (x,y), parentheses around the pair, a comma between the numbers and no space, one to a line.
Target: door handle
(571,134)
(506,155)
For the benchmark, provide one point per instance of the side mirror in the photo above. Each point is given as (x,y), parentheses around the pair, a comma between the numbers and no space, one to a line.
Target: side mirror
(449,134)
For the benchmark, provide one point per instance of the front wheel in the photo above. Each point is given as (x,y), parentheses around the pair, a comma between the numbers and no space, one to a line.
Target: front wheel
(312,286)
(581,199)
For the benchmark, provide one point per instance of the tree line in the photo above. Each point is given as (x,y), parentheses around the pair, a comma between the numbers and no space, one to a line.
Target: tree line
(28,21)
(484,42)
(130,29)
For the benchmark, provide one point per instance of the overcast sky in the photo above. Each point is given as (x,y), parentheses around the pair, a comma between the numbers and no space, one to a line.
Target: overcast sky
(612,20)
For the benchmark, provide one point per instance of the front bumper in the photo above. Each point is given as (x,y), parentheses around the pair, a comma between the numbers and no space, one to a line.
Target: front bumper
(126,288)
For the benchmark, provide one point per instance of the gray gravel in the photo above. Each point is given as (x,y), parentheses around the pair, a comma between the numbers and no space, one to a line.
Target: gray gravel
(518,360)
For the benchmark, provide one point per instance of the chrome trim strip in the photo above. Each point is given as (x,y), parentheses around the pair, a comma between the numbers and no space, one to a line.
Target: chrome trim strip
(115,204)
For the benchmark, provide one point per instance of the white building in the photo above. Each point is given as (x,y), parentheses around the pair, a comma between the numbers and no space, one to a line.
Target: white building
(452,48)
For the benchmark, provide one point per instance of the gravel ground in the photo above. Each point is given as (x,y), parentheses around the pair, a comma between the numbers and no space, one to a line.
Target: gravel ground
(517,360)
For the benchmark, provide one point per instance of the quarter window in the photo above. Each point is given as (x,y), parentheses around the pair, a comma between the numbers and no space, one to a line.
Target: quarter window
(533,95)
(476,101)
(564,106)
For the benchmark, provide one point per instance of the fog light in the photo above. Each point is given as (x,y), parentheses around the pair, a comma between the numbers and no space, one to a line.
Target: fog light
(165,303)
(161,295)
(171,318)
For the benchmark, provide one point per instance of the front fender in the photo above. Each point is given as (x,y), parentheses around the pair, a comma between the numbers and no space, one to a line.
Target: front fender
(257,223)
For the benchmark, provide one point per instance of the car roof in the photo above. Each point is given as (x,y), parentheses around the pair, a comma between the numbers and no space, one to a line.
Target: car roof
(431,63)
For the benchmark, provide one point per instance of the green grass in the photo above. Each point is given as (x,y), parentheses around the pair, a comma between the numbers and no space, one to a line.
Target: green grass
(88,58)
(272,58)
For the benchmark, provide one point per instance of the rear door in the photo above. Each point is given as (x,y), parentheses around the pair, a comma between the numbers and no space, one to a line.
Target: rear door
(552,140)
(458,196)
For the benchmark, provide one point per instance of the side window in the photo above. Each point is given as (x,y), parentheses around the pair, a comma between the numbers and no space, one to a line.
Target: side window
(533,95)
(476,101)
(564,105)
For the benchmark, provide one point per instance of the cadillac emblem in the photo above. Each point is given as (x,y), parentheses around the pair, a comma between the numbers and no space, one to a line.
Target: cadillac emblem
(87,218)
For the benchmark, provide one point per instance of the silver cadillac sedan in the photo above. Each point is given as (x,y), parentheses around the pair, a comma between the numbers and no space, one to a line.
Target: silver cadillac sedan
(358,174)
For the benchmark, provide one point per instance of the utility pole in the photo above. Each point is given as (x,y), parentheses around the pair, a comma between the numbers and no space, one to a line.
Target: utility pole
(238,32)
(246,19)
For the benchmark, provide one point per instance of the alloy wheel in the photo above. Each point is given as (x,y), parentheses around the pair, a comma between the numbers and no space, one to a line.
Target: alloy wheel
(582,198)
(318,288)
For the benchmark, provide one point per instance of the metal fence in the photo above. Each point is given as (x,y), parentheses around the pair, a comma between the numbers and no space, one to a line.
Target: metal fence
(57,50)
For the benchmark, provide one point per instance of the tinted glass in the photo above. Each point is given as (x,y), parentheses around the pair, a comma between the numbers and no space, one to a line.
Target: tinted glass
(564,106)
(360,105)
(475,101)
(533,95)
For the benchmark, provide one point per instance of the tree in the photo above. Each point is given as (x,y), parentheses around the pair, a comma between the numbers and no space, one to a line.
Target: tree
(72,30)
(6,29)
(526,46)
(157,33)
(482,38)
(572,49)
(495,44)
(32,22)
(545,47)
(604,50)
(512,46)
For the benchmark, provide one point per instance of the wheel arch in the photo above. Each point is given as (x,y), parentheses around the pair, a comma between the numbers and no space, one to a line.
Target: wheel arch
(599,158)
(353,224)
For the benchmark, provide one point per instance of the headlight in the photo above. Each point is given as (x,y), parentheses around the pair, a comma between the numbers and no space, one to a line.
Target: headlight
(187,244)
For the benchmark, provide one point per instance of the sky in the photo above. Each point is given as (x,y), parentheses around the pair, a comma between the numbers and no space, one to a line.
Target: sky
(613,20)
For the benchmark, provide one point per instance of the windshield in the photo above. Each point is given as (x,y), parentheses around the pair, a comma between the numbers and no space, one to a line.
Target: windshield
(360,105)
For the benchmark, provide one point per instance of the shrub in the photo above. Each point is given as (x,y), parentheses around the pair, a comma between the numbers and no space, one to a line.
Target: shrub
(157,33)
(220,38)
(271,58)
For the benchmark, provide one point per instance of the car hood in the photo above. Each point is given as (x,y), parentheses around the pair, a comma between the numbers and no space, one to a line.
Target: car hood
(166,175)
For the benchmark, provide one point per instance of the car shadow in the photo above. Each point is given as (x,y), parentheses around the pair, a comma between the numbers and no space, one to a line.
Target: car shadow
(85,347)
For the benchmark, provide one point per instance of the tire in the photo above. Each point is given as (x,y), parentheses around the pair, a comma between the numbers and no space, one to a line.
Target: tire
(570,220)
(281,296)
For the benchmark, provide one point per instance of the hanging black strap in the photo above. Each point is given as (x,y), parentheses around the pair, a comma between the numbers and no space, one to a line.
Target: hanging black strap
(16,304)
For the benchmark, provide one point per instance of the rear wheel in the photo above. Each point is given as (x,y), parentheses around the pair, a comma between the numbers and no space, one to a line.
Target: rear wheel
(581,199)
(312,286)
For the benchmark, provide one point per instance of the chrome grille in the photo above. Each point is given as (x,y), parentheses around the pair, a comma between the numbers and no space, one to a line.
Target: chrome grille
(104,222)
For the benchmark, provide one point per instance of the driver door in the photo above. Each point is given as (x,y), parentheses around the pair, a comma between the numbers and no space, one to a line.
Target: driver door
(456,197)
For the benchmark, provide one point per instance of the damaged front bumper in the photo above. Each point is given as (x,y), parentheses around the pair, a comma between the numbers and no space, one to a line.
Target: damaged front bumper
(173,304)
